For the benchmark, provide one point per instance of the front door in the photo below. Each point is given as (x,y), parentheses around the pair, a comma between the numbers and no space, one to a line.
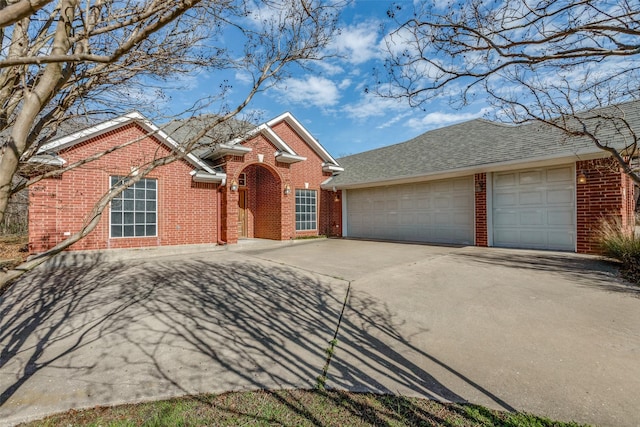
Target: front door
(242,213)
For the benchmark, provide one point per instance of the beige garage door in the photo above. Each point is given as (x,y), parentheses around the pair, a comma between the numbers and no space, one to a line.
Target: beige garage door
(436,211)
(535,208)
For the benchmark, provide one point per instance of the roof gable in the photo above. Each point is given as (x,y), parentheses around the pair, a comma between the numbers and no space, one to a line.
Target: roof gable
(305,135)
(78,137)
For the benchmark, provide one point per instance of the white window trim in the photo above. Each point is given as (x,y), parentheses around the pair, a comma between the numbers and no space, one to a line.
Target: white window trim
(295,211)
(111,211)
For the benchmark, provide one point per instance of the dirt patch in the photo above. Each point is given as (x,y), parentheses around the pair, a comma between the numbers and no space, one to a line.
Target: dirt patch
(13,250)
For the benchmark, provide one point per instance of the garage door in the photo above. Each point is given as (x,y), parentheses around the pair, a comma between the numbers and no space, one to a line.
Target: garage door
(535,208)
(437,211)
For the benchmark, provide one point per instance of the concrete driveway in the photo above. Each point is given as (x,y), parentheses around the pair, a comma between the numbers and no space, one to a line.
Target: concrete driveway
(549,333)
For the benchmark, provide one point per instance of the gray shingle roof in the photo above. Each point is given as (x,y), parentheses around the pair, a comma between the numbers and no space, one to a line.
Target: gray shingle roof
(476,144)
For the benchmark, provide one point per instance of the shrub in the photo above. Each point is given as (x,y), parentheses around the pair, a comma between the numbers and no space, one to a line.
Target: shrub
(622,245)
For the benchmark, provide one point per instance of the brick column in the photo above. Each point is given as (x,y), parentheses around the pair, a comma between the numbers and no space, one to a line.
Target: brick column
(607,194)
(480,191)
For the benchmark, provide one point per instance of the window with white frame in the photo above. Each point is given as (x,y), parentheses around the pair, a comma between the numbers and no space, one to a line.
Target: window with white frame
(306,210)
(134,212)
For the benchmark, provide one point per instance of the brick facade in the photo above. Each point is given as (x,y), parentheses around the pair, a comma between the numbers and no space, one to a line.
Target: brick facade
(607,194)
(480,184)
(188,212)
(59,207)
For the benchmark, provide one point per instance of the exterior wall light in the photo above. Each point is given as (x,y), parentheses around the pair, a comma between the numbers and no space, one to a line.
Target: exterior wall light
(479,186)
(287,189)
(234,185)
(336,197)
(582,178)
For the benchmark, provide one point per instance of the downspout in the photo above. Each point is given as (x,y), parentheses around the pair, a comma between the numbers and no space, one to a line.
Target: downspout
(218,222)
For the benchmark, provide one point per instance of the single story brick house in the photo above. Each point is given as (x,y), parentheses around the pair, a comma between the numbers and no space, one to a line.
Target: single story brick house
(474,183)
(487,184)
(263,185)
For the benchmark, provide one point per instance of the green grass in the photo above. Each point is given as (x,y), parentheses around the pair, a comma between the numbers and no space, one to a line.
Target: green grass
(296,408)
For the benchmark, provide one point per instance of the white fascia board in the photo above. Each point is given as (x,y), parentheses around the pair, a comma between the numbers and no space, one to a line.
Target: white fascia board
(49,160)
(288,158)
(83,135)
(304,133)
(220,150)
(216,177)
(490,167)
(135,116)
(268,133)
(328,167)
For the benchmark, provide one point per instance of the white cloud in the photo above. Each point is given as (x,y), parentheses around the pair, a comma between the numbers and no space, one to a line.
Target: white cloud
(373,106)
(313,90)
(359,42)
(345,83)
(438,119)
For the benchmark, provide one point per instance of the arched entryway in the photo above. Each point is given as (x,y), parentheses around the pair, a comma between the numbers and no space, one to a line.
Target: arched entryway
(259,203)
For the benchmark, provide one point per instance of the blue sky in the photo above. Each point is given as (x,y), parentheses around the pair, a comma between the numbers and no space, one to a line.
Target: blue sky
(330,101)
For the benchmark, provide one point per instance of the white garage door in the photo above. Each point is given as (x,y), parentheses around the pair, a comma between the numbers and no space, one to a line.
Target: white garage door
(437,211)
(535,208)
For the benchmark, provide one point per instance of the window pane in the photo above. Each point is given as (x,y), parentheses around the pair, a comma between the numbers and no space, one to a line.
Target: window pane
(116,231)
(305,210)
(139,230)
(133,213)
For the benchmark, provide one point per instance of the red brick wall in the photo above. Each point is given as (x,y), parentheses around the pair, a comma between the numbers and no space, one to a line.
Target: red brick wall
(330,220)
(607,194)
(186,210)
(480,182)
(265,223)
(309,172)
(268,205)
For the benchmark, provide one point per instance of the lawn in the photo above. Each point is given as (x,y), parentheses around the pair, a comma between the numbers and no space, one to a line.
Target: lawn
(295,408)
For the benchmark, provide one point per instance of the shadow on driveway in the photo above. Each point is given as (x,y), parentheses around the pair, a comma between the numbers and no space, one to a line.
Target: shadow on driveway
(118,332)
(587,271)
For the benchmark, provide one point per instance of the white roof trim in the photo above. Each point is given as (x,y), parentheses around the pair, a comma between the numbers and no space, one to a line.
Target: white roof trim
(47,159)
(328,167)
(490,167)
(83,135)
(216,177)
(309,139)
(219,150)
(289,158)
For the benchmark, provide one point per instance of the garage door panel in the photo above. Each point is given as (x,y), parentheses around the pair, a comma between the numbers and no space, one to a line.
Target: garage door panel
(560,197)
(439,211)
(529,218)
(534,208)
(505,180)
(506,199)
(506,218)
(560,174)
(561,218)
(530,177)
(535,197)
